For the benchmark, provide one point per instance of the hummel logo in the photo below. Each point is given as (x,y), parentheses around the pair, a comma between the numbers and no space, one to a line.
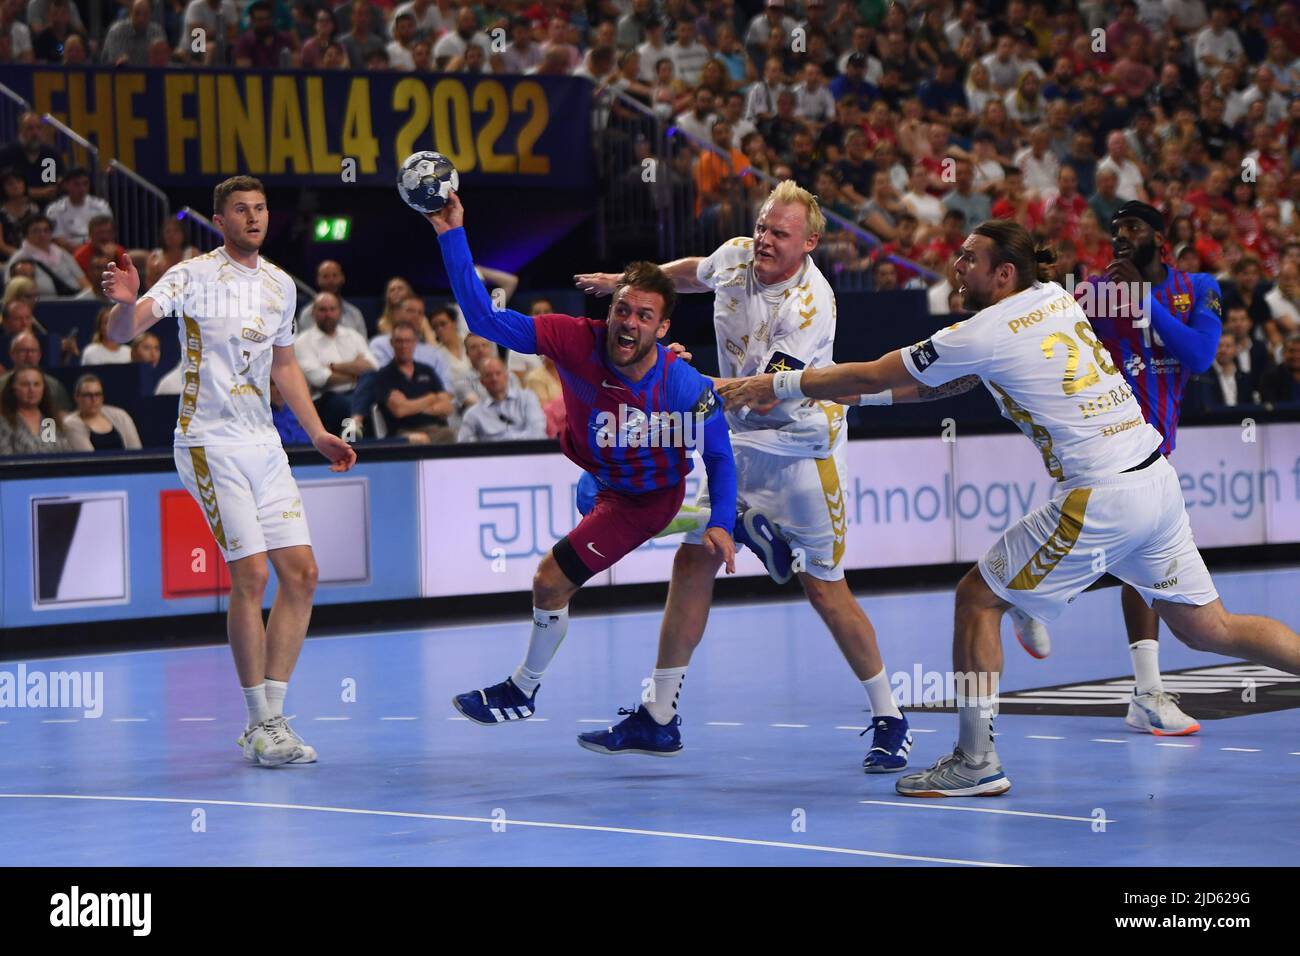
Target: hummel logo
(591,547)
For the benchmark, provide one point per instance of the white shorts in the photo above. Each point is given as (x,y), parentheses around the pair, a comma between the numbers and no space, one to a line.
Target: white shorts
(1133,525)
(248,494)
(803,497)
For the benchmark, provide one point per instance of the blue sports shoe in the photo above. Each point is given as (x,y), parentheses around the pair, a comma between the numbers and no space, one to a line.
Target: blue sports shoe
(755,531)
(638,734)
(890,745)
(496,704)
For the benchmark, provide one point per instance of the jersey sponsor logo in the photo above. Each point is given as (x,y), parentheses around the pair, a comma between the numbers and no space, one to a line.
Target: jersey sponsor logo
(924,354)
(253,335)
(1134,365)
(1208,693)
(735,350)
(1060,304)
(1123,426)
(781,362)
(245,388)
(1182,302)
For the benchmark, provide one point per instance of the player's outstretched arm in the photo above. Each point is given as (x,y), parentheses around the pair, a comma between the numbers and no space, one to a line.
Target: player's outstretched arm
(681,271)
(514,330)
(130,316)
(761,392)
(293,386)
(916,392)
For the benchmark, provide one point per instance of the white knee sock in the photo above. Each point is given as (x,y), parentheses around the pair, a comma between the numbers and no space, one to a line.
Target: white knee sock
(549,628)
(258,708)
(881,696)
(275,691)
(975,724)
(667,691)
(1146,666)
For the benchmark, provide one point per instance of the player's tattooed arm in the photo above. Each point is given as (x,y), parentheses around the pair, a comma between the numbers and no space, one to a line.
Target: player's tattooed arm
(920,392)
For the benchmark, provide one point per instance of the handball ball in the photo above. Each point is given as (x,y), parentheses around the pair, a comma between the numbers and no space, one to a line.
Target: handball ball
(426,181)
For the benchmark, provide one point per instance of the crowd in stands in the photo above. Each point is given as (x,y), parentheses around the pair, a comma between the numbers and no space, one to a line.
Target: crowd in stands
(912,121)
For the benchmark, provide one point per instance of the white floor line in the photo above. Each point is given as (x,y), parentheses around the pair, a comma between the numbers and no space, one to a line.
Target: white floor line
(197,720)
(852,728)
(792,726)
(453,818)
(59,720)
(927,730)
(1242,750)
(331,718)
(1184,746)
(399,718)
(1107,740)
(593,720)
(944,805)
(1041,737)
(130,720)
(723,723)
(458,718)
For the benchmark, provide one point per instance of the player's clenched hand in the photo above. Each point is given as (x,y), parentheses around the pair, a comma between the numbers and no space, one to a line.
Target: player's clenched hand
(680,349)
(597,283)
(754,392)
(450,216)
(121,284)
(1123,270)
(719,544)
(342,456)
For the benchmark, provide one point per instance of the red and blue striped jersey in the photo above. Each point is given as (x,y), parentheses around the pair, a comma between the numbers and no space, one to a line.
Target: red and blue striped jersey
(1159,356)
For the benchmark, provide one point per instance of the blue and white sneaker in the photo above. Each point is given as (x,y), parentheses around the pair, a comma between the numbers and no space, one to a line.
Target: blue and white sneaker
(890,745)
(755,531)
(638,734)
(496,704)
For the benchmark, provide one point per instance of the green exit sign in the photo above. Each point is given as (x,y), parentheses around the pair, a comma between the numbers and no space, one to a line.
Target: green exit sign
(332,228)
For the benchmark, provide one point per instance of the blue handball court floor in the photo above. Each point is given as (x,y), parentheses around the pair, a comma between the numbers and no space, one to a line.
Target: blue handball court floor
(771,773)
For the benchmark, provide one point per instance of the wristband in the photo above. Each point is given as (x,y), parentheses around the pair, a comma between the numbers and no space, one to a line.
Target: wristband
(877,398)
(786,384)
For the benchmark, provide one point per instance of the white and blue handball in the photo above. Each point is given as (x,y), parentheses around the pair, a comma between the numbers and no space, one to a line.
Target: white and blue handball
(426,181)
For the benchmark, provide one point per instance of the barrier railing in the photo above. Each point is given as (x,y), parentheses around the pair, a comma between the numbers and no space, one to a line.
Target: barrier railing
(12,106)
(651,200)
(138,206)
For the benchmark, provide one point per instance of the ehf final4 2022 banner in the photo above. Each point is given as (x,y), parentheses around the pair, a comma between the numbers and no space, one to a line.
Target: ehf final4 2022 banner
(295,127)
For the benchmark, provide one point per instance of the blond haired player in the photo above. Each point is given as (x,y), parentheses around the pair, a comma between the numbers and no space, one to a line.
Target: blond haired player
(236,314)
(1033,347)
(772,309)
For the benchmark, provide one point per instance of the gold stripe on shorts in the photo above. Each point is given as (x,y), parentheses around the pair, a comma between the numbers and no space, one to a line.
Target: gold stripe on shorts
(208,494)
(829,474)
(193,360)
(1058,543)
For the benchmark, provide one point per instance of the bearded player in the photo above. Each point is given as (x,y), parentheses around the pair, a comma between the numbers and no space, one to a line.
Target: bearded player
(236,313)
(1157,342)
(1034,349)
(620,387)
(772,309)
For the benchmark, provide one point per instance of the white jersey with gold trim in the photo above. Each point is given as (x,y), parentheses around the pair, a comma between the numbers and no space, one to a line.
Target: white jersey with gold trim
(229,316)
(774,328)
(1037,354)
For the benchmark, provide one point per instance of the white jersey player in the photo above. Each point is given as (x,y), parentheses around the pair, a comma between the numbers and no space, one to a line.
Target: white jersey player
(1034,349)
(235,312)
(773,310)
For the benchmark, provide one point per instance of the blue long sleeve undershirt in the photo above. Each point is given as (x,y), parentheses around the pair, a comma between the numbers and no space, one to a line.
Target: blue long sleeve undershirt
(1193,344)
(507,327)
(720,467)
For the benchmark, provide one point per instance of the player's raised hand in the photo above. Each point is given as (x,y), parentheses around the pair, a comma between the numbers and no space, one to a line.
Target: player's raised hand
(720,545)
(341,455)
(450,216)
(597,283)
(680,351)
(121,283)
(755,393)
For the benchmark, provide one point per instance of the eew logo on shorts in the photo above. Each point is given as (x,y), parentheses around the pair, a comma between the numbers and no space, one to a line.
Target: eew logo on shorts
(1211,693)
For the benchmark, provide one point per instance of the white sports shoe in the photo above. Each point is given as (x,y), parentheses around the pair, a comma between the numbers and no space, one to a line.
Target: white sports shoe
(1159,714)
(272,743)
(1031,634)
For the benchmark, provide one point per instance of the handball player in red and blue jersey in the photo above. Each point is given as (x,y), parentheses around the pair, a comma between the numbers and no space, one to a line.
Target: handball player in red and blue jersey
(634,413)
(1158,343)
